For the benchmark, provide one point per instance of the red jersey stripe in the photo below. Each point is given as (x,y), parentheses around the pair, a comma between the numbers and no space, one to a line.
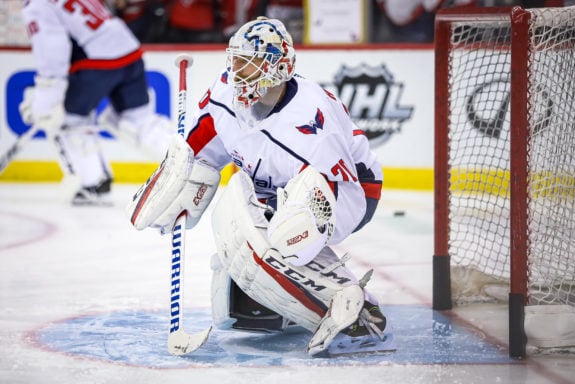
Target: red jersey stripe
(202,134)
(106,64)
(372,190)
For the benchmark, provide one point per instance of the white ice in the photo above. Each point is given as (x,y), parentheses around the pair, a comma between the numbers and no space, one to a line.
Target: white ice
(58,262)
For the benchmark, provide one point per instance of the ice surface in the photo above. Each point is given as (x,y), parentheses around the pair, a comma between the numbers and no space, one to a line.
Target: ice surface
(84,299)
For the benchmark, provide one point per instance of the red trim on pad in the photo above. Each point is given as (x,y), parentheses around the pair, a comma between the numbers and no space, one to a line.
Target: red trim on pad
(288,285)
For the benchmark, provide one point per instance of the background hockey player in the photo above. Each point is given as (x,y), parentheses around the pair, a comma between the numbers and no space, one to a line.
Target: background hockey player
(308,180)
(84,54)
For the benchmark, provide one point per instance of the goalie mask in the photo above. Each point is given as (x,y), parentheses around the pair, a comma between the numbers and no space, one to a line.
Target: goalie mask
(260,56)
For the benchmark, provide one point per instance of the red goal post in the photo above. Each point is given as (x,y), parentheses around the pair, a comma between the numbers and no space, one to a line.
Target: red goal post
(505,160)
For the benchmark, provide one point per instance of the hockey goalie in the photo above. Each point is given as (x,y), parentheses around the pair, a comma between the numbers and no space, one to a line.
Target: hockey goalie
(307,181)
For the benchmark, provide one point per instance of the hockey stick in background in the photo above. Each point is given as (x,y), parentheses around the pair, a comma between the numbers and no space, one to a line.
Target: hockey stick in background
(7,157)
(180,342)
(64,160)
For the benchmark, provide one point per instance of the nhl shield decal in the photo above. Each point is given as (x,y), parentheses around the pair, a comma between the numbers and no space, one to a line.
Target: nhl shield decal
(373,98)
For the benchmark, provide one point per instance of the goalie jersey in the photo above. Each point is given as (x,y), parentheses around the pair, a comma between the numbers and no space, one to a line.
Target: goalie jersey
(68,35)
(309,127)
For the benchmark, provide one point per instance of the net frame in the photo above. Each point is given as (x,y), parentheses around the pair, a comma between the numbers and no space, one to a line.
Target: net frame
(516,182)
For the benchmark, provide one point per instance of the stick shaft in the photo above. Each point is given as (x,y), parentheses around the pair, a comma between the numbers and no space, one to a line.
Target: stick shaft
(177,274)
(7,157)
(180,342)
(182,96)
(179,229)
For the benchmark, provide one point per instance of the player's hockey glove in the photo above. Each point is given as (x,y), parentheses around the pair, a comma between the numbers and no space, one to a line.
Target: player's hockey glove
(43,104)
(305,217)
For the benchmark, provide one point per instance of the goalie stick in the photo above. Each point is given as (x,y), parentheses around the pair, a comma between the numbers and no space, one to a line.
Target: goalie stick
(180,342)
(64,160)
(7,157)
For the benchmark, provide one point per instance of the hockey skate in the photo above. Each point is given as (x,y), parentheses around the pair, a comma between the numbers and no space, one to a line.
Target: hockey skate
(370,333)
(370,322)
(96,195)
(357,326)
(344,310)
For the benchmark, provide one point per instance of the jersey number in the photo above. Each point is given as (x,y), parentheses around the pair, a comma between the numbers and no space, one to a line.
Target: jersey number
(93,10)
(341,169)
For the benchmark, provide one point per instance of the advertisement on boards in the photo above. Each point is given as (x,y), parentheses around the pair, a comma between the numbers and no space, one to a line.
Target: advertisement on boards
(389,94)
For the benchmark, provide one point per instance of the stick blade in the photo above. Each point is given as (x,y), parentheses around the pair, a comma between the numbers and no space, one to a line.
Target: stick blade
(181,343)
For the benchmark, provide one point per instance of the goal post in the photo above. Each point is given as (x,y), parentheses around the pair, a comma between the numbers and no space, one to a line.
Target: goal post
(504,227)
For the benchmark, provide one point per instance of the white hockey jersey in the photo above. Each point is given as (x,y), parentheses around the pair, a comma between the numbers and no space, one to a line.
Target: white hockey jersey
(310,127)
(103,41)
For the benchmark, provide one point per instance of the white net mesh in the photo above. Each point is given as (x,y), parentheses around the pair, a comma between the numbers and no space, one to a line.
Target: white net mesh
(479,157)
(552,157)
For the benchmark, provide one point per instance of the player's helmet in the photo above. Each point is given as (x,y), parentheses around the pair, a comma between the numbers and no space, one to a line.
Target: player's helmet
(265,46)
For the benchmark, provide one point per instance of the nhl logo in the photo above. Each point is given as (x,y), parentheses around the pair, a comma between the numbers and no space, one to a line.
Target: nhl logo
(373,99)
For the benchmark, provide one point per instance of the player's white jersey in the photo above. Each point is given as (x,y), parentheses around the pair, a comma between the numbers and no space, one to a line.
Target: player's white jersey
(312,129)
(52,23)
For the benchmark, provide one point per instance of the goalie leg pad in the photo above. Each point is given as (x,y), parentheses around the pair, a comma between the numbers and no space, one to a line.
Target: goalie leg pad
(299,294)
(232,308)
(220,290)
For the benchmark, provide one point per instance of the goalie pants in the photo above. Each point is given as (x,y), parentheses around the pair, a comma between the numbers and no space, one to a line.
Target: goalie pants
(125,87)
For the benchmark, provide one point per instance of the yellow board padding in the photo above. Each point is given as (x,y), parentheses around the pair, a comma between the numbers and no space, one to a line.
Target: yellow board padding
(49,171)
(542,184)
(32,171)
(490,181)
(420,179)
(494,182)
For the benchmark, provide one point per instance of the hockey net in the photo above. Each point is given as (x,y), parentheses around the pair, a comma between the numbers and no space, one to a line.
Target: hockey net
(505,160)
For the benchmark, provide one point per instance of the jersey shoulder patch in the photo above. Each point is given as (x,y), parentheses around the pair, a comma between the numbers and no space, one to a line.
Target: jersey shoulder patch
(313,125)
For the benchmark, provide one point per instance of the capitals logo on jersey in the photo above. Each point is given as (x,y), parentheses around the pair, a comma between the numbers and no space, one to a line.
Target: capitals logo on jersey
(312,127)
